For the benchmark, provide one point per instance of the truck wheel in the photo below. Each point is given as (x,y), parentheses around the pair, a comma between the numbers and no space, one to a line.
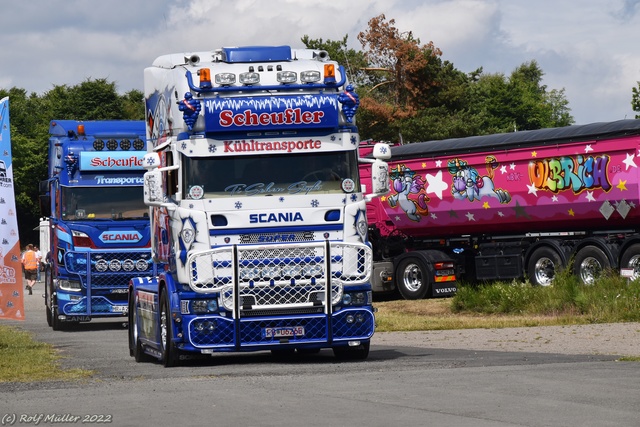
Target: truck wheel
(167,347)
(543,264)
(47,295)
(47,301)
(411,278)
(56,324)
(346,352)
(589,263)
(135,346)
(631,259)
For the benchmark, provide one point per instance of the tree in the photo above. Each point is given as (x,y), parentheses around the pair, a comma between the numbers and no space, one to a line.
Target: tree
(519,102)
(353,60)
(635,99)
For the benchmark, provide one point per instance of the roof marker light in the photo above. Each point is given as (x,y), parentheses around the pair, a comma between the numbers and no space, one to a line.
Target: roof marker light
(81,130)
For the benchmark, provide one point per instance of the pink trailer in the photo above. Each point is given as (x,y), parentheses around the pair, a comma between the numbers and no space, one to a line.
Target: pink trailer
(511,205)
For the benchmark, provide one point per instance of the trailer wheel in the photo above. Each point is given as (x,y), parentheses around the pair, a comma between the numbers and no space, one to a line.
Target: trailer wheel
(589,263)
(167,346)
(135,346)
(543,265)
(631,259)
(346,352)
(412,279)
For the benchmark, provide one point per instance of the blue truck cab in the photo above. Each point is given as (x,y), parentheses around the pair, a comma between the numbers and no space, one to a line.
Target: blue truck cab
(95,225)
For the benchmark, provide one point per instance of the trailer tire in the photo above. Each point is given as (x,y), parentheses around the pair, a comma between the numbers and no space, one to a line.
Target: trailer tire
(589,263)
(360,352)
(631,259)
(411,276)
(135,346)
(167,346)
(543,265)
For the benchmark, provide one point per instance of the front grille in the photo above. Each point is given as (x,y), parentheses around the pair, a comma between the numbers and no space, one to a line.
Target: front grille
(108,269)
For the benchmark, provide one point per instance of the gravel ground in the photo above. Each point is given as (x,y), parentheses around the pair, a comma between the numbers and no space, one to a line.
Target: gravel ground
(621,339)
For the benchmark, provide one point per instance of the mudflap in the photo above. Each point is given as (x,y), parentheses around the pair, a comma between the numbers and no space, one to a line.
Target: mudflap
(443,289)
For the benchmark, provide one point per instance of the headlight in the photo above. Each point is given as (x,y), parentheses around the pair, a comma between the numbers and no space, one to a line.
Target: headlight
(250,273)
(225,79)
(291,271)
(204,306)
(310,76)
(249,78)
(287,76)
(128,265)
(69,285)
(313,271)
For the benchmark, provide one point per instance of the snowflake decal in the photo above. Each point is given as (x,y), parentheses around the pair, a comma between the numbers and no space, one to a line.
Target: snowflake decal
(354,140)
(333,137)
(315,203)
(212,148)
(190,205)
(354,197)
(184,145)
(238,205)
(281,199)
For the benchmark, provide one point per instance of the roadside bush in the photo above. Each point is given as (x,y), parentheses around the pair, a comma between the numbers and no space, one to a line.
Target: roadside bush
(610,299)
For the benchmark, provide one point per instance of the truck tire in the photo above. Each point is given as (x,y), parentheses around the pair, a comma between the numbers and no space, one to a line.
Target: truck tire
(346,352)
(48,285)
(167,346)
(411,279)
(631,259)
(135,346)
(589,263)
(543,265)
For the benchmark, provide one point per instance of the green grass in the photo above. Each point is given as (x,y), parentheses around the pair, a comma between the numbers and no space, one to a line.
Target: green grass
(24,360)
(612,299)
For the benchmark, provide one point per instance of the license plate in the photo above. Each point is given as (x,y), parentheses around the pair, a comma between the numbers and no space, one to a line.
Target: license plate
(285,332)
(119,308)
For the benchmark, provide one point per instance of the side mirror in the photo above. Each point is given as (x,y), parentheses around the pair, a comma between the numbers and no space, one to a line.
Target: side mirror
(379,178)
(153,195)
(381,151)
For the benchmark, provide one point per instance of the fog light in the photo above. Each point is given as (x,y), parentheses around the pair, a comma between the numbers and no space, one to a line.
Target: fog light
(350,319)
(346,299)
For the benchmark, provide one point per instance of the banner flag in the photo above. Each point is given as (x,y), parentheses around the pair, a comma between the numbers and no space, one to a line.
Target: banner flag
(11,291)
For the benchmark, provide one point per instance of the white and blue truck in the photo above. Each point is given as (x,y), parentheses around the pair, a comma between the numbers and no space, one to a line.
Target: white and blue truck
(258,215)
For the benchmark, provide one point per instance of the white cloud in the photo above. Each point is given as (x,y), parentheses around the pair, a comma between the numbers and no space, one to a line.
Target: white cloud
(589,47)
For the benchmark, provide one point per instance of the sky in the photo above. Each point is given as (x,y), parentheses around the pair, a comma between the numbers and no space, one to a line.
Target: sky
(589,48)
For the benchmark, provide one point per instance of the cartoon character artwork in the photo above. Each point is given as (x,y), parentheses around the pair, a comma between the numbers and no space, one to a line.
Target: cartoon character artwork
(190,108)
(469,184)
(410,193)
(350,102)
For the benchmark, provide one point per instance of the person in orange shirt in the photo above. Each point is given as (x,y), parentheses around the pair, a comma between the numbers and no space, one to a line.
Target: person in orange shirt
(30,264)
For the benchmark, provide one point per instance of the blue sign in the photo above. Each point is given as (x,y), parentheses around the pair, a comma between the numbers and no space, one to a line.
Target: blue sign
(250,114)
(111,160)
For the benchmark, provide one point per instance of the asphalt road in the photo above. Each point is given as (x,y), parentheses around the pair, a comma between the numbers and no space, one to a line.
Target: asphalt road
(400,385)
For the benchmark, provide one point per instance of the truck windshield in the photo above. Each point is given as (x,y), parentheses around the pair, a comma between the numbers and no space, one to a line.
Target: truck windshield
(89,203)
(268,175)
